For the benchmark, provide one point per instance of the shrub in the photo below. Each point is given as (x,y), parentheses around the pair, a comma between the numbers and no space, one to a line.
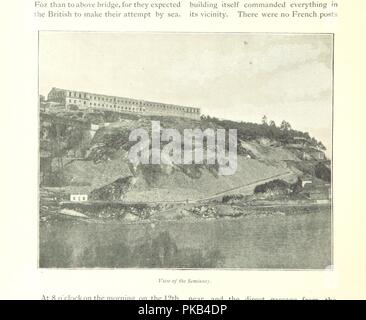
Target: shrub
(274,185)
(323,172)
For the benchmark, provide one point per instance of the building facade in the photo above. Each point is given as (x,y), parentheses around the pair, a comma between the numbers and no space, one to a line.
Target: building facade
(78,100)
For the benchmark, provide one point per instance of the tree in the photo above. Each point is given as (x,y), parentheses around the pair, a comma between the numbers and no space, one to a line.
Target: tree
(285,125)
(264,120)
(321,146)
(323,172)
(272,123)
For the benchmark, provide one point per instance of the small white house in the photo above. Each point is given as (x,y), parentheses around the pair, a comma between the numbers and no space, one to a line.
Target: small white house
(78,197)
(305,182)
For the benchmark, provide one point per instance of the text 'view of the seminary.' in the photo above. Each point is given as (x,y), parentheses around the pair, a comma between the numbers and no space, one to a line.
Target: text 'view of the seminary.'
(185,150)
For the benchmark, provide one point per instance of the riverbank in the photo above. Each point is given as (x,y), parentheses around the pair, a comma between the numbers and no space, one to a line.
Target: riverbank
(140,214)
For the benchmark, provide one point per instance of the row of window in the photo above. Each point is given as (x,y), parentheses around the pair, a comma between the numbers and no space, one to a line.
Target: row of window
(106,99)
(75,101)
(166,107)
(117,107)
(170,107)
(115,100)
(111,106)
(77,95)
(78,197)
(56,94)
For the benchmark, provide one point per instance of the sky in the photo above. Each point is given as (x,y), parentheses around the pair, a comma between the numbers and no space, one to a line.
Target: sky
(237,76)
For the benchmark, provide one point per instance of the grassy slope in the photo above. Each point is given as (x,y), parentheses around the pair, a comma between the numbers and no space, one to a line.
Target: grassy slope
(171,184)
(166,183)
(178,186)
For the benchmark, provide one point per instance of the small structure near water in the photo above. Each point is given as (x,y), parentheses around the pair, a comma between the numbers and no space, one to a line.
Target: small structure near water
(78,197)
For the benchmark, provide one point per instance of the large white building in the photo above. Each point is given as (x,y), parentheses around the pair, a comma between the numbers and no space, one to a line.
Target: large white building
(84,100)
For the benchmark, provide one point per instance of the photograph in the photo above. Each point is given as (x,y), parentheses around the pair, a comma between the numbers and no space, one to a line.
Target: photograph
(178,150)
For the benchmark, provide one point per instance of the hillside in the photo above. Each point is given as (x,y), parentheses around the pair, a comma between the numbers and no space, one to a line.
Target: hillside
(103,170)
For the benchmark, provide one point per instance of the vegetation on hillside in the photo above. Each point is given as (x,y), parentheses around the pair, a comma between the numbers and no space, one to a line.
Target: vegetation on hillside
(273,186)
(113,191)
(250,131)
(323,172)
(111,142)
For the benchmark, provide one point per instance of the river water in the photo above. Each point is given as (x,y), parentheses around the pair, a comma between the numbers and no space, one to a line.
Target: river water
(301,240)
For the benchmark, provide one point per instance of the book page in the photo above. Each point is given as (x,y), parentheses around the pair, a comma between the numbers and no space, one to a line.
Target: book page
(167,150)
